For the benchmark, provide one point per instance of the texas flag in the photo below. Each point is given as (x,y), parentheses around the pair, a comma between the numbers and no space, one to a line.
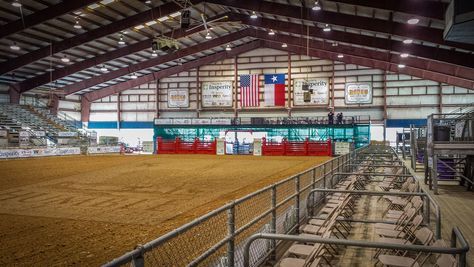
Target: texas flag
(274,90)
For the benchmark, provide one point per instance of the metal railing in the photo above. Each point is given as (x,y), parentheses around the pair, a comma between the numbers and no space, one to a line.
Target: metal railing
(219,236)
(453,250)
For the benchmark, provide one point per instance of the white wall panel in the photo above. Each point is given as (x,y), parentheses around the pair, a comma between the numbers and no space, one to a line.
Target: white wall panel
(103,116)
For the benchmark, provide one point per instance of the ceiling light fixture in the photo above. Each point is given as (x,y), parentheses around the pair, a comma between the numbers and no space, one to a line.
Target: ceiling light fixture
(401,66)
(340,56)
(154,53)
(14,46)
(316,6)
(208,35)
(327,28)
(121,40)
(16,3)
(77,25)
(103,68)
(407,41)
(335,44)
(65,59)
(228,48)
(284,45)
(271,32)
(254,15)
(134,76)
(404,55)
(148,2)
(413,21)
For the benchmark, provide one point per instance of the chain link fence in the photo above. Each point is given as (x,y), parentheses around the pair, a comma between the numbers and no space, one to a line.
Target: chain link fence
(218,238)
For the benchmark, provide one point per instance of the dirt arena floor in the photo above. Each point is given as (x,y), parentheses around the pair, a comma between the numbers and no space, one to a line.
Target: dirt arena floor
(85,211)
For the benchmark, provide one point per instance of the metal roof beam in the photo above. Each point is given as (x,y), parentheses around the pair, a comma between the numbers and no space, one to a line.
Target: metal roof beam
(76,87)
(97,60)
(351,21)
(114,27)
(367,58)
(428,9)
(101,93)
(42,16)
(433,53)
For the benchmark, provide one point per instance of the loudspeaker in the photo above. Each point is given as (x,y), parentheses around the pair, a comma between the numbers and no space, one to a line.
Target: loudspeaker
(185,20)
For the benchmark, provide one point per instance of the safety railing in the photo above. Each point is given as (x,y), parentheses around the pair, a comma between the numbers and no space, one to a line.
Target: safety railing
(218,238)
(456,237)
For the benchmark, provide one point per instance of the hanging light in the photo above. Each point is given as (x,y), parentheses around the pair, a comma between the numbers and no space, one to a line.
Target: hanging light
(404,55)
(271,32)
(327,28)
(401,66)
(148,2)
(340,56)
(103,68)
(335,44)
(16,3)
(228,48)
(65,59)
(284,45)
(413,21)
(254,15)
(15,47)
(77,25)
(121,40)
(154,53)
(134,76)
(316,6)
(208,35)
(407,41)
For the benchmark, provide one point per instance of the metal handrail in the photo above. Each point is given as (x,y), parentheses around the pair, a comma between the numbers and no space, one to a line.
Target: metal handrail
(456,235)
(460,175)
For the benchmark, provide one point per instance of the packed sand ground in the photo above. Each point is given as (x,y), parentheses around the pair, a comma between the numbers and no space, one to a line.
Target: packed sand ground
(85,211)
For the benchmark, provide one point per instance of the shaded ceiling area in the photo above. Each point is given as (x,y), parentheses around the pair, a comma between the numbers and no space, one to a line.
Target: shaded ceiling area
(96,48)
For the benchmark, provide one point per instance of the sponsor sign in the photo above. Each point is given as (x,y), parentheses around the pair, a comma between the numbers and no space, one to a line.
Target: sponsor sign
(103,149)
(38,152)
(23,134)
(182,121)
(311,92)
(178,98)
(221,121)
(341,148)
(216,94)
(163,121)
(201,121)
(67,134)
(358,93)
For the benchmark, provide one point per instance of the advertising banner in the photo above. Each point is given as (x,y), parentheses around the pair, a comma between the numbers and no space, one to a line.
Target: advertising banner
(39,133)
(311,92)
(163,121)
(38,152)
(178,98)
(358,93)
(201,121)
(103,149)
(216,94)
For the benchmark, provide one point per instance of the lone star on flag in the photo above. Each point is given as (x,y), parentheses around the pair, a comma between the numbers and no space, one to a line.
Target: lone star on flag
(274,79)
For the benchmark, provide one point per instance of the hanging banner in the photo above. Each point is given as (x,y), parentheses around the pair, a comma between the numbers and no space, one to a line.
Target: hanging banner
(358,93)
(311,92)
(178,98)
(216,94)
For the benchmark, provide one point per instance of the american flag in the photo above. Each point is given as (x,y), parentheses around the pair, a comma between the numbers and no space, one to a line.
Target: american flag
(249,96)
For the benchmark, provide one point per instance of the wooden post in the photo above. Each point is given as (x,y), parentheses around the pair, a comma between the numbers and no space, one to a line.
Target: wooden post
(118,111)
(236,70)
(440,98)
(289,84)
(198,90)
(157,98)
(384,93)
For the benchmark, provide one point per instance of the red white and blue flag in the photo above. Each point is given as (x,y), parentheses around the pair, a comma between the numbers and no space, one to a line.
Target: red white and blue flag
(249,96)
(274,89)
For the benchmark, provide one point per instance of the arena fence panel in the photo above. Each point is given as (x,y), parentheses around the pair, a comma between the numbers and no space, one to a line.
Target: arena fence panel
(218,238)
